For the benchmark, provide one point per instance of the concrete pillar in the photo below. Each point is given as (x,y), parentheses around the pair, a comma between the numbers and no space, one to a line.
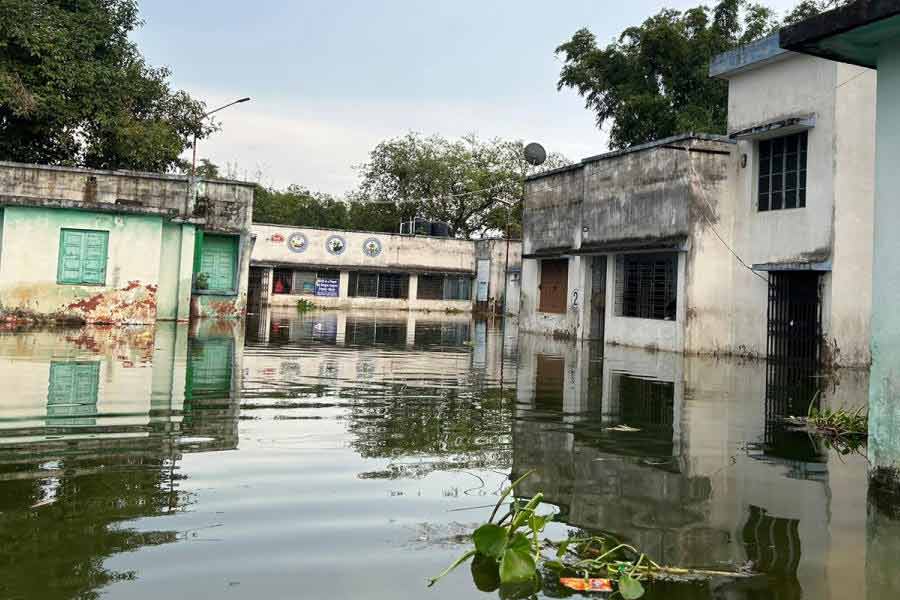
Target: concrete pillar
(413,290)
(884,383)
(341,336)
(186,272)
(410,330)
(344,286)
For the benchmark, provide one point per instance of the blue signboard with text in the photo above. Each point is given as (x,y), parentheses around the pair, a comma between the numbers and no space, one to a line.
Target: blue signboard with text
(327,287)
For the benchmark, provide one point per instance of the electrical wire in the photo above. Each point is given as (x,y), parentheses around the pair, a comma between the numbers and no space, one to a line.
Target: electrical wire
(696,183)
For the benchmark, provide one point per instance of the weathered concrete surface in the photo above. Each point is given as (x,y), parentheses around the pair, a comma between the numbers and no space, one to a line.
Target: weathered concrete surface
(151,220)
(30,254)
(662,196)
(413,255)
(836,226)
(551,219)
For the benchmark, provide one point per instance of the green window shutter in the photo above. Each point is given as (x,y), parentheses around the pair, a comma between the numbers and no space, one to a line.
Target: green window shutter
(73,389)
(71,256)
(218,262)
(82,257)
(94,270)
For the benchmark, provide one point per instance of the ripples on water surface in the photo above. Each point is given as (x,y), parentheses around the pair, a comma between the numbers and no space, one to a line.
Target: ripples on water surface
(348,455)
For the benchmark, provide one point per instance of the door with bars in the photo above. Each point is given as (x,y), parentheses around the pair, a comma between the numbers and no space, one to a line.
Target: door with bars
(794,348)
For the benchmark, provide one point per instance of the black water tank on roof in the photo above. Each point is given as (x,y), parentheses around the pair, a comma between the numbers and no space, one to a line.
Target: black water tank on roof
(440,229)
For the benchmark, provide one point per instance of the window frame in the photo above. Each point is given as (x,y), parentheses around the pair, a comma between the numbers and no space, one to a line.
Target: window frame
(791,175)
(650,266)
(60,277)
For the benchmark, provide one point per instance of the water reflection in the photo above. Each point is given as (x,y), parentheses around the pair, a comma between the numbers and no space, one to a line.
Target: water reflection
(684,458)
(333,443)
(92,435)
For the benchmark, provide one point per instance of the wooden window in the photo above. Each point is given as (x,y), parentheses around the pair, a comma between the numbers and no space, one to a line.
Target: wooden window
(646,285)
(73,389)
(554,285)
(218,261)
(782,172)
(82,257)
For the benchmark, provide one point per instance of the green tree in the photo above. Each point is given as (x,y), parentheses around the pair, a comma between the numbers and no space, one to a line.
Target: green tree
(298,206)
(654,81)
(469,183)
(75,90)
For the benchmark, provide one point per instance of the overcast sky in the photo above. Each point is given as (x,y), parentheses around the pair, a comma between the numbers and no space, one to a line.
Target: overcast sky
(329,80)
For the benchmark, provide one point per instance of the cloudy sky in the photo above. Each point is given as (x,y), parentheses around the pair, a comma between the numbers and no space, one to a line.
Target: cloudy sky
(329,80)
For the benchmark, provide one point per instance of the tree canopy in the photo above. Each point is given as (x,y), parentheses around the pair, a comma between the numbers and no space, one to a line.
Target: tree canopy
(653,81)
(468,183)
(74,90)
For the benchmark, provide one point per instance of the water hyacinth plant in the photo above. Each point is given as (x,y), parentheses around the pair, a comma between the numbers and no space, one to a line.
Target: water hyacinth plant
(510,552)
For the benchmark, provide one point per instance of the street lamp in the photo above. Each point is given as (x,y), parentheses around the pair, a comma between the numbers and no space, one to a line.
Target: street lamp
(194,161)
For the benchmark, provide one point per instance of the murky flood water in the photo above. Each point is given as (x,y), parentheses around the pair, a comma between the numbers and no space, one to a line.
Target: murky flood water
(347,456)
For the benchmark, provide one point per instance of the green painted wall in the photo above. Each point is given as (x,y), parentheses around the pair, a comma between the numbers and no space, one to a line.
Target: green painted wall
(144,267)
(884,390)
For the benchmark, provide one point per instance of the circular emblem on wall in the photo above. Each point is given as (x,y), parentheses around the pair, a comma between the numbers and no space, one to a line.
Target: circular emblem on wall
(372,247)
(297,242)
(335,244)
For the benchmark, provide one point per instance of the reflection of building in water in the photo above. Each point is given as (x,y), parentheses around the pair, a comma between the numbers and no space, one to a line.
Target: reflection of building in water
(458,415)
(92,437)
(670,452)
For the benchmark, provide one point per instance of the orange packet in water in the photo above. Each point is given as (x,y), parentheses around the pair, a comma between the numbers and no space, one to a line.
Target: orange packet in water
(579,584)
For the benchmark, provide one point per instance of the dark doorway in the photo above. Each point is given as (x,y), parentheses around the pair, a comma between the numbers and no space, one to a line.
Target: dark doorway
(792,362)
(257,289)
(598,297)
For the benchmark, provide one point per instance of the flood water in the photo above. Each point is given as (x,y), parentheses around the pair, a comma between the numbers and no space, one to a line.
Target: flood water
(348,455)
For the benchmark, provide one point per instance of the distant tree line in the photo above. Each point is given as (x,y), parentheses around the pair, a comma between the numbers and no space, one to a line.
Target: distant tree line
(471,185)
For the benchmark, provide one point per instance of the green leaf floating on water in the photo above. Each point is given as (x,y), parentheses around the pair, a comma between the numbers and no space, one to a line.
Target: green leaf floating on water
(518,564)
(630,588)
(490,540)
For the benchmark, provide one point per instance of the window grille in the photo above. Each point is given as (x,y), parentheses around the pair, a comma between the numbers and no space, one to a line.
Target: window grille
(782,172)
(646,285)
(378,285)
(431,287)
(457,288)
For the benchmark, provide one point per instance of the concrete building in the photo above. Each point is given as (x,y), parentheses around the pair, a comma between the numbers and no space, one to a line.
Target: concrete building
(352,269)
(754,244)
(121,247)
(864,35)
(621,246)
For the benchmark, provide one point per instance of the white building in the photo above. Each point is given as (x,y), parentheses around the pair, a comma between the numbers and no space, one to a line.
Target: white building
(756,244)
(353,269)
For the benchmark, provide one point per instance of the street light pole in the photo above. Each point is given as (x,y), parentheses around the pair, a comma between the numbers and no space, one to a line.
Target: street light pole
(194,161)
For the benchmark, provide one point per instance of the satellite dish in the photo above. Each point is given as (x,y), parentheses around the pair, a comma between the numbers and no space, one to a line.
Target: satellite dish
(535,154)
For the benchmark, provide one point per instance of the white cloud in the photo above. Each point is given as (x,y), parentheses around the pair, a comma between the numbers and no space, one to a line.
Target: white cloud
(317,145)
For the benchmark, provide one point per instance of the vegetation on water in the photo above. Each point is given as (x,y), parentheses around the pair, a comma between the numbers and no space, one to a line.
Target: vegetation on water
(511,552)
(840,422)
(304,305)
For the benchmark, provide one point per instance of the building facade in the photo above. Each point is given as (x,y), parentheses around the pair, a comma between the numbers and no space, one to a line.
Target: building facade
(351,269)
(121,247)
(754,244)
(620,246)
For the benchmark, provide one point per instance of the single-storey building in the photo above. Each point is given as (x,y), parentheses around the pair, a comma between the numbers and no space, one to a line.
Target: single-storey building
(354,269)
(121,247)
